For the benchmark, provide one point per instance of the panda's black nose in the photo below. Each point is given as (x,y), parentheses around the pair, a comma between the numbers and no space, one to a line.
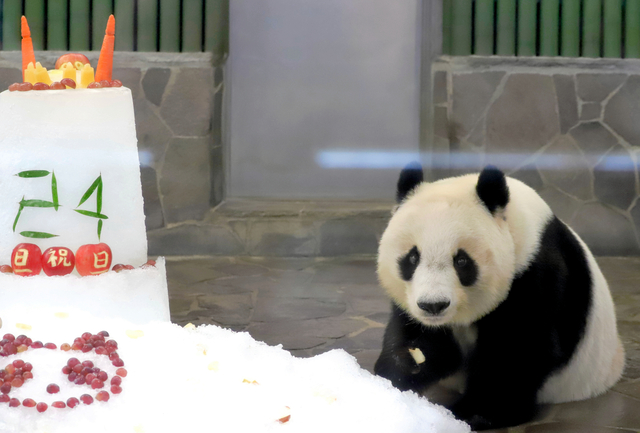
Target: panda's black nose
(434,308)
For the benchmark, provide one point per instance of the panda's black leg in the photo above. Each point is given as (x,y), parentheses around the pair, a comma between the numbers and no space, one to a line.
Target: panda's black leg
(502,386)
(441,352)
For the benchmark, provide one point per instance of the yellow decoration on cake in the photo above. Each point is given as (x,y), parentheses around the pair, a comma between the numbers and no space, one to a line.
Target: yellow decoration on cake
(42,76)
(86,77)
(23,326)
(61,315)
(30,74)
(134,333)
(214,366)
(68,71)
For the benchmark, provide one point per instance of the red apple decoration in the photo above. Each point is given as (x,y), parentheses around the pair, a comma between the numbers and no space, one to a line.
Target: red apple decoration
(26,260)
(58,261)
(93,259)
(73,58)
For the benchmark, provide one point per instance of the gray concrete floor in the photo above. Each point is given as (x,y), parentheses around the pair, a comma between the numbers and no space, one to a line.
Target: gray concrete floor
(313,305)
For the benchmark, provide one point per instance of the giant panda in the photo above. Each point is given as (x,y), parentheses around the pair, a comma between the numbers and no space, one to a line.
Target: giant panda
(492,288)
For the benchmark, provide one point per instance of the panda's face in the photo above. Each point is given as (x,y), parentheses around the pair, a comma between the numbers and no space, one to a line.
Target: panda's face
(443,257)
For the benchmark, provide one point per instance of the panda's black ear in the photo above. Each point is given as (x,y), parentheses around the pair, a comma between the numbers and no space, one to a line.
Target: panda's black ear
(410,177)
(492,189)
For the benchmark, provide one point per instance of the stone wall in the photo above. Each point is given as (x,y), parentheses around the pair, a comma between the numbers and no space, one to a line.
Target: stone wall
(569,128)
(177,99)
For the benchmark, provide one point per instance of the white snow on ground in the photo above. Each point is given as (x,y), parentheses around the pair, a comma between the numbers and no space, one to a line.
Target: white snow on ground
(202,380)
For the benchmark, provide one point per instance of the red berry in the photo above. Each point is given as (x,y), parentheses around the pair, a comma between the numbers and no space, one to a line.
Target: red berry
(17,382)
(86,336)
(87,363)
(94,85)
(102,396)
(18,363)
(101,350)
(112,343)
(29,402)
(68,82)
(4,398)
(87,348)
(96,383)
(59,404)
(72,376)
(5,388)
(57,86)
(53,388)
(9,337)
(115,389)
(77,368)
(6,269)
(118,268)
(122,372)
(80,380)
(103,376)
(90,377)
(73,402)
(72,362)
(41,86)
(116,83)
(10,349)
(86,399)
(103,333)
(149,264)
(50,346)
(41,407)
(22,348)
(105,83)
(25,87)
(13,87)
(27,366)
(27,375)
(116,380)
(65,346)
(10,369)
(14,402)
(76,346)
(66,369)
(37,345)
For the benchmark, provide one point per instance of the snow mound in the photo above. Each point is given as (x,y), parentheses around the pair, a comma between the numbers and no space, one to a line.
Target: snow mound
(205,379)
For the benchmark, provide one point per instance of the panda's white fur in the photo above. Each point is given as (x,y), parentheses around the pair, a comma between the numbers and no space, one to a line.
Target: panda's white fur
(442,217)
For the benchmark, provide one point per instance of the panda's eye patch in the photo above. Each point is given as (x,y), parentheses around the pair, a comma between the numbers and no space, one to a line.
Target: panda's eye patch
(465,267)
(409,263)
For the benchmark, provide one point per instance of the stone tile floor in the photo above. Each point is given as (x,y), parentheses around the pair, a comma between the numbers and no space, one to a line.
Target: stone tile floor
(312,305)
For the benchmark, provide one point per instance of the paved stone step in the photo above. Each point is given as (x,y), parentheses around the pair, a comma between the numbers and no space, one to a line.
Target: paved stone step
(277,228)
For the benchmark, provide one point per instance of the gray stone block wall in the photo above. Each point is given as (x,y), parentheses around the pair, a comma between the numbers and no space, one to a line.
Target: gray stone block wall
(569,128)
(177,99)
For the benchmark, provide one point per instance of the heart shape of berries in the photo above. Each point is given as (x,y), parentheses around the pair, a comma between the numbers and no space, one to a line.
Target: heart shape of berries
(15,374)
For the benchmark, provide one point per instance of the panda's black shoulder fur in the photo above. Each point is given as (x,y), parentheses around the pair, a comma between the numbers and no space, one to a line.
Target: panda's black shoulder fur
(535,331)
(550,299)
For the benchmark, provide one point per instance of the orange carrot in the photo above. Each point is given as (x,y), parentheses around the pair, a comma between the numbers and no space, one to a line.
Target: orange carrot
(28,55)
(105,62)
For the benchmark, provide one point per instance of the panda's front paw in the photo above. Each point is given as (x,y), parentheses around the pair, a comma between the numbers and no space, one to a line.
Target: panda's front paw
(405,361)
(400,368)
